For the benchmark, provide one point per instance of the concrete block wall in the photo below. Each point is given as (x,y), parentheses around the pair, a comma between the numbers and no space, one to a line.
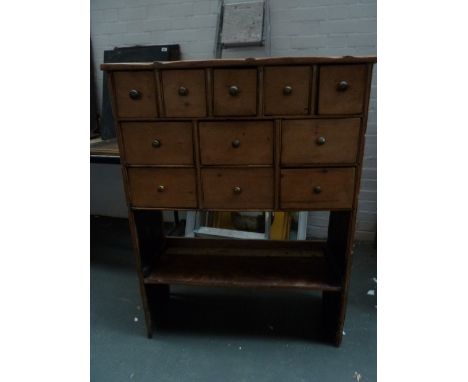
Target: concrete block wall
(297,28)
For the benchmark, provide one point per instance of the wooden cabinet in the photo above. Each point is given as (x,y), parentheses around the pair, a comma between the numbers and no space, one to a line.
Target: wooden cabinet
(271,134)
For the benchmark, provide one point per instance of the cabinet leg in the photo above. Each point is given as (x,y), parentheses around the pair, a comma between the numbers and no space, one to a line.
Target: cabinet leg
(333,316)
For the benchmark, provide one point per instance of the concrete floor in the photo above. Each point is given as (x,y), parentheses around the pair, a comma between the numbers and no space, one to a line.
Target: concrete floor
(222,334)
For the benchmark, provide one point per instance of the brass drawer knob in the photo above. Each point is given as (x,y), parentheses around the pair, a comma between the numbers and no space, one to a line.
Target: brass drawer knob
(237,190)
(134,94)
(342,86)
(287,90)
(235,143)
(156,143)
(317,190)
(161,188)
(233,90)
(321,141)
(183,91)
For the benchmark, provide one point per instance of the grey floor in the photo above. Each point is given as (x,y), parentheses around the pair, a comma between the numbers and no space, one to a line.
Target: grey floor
(222,334)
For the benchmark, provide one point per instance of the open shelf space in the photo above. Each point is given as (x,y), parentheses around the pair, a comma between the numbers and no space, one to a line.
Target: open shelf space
(243,263)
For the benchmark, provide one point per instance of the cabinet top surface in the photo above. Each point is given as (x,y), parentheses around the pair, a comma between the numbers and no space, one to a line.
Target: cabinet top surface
(239,62)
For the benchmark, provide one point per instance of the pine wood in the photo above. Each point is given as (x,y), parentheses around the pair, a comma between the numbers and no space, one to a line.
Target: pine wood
(179,187)
(191,105)
(337,191)
(300,146)
(176,145)
(276,79)
(256,142)
(245,103)
(256,186)
(144,82)
(334,101)
(277,164)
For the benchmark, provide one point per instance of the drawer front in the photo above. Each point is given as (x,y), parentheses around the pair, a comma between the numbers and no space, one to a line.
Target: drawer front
(135,94)
(157,143)
(320,141)
(235,92)
(162,187)
(249,142)
(341,89)
(286,90)
(240,188)
(184,93)
(317,188)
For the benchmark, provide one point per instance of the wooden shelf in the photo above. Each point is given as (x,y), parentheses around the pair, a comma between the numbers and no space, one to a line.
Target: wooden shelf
(252,263)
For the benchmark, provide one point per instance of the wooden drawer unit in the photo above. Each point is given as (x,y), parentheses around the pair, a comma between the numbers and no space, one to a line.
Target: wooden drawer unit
(135,94)
(238,188)
(342,89)
(235,92)
(157,143)
(268,134)
(236,142)
(317,141)
(162,187)
(286,90)
(327,188)
(184,93)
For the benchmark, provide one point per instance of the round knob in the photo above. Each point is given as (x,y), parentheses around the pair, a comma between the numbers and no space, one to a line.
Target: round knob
(287,90)
(317,190)
(233,90)
(342,86)
(156,143)
(183,91)
(237,190)
(134,94)
(320,141)
(161,188)
(235,143)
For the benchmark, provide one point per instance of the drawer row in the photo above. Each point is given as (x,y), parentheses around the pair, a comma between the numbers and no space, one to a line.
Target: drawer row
(303,142)
(241,188)
(284,90)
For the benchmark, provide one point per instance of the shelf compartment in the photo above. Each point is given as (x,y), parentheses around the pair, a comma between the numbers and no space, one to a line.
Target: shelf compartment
(238,263)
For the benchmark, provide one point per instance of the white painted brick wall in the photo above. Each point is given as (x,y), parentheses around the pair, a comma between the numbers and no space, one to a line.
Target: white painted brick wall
(298,28)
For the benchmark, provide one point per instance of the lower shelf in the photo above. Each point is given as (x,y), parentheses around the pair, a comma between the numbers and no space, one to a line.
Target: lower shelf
(239,263)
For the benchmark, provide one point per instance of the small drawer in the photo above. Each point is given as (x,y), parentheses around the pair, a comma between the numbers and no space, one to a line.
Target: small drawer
(162,187)
(317,188)
(235,92)
(135,94)
(236,142)
(310,141)
(157,143)
(184,93)
(341,89)
(239,188)
(286,90)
